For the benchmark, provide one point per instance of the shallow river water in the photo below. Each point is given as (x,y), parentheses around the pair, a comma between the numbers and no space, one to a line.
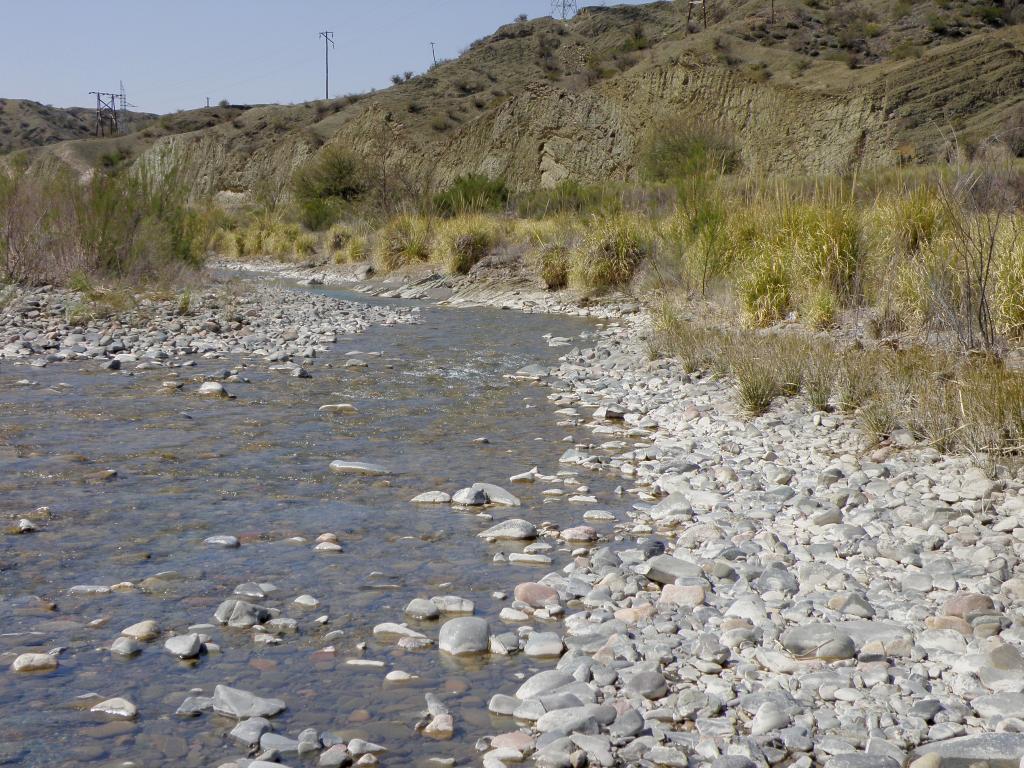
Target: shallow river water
(257,467)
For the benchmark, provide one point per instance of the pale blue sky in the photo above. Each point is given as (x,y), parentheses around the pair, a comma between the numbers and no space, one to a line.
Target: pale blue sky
(172,55)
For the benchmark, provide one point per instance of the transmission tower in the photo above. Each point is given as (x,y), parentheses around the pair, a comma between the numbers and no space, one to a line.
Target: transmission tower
(564,9)
(108,113)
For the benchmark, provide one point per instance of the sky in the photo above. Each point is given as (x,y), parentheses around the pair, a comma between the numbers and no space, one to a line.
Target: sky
(174,54)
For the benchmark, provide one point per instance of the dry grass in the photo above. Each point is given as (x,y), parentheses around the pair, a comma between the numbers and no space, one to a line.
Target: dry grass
(462,241)
(404,240)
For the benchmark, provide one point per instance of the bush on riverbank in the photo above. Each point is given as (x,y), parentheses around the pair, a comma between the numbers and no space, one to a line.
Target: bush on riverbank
(135,227)
(954,403)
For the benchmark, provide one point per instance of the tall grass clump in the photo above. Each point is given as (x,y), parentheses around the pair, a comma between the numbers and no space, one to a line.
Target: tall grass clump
(463,241)
(405,239)
(611,250)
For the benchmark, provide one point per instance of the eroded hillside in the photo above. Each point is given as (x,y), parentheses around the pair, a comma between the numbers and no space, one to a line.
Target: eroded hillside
(854,86)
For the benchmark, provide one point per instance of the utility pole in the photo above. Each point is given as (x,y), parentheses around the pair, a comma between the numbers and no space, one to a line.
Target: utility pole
(564,9)
(433,53)
(328,41)
(207,102)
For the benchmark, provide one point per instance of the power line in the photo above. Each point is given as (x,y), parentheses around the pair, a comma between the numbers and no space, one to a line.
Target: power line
(328,41)
(564,9)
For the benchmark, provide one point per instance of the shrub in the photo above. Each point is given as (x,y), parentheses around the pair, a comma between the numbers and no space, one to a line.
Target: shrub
(553,266)
(678,148)
(819,375)
(325,183)
(473,193)
(757,382)
(568,197)
(610,253)
(357,249)
(463,241)
(403,240)
(135,225)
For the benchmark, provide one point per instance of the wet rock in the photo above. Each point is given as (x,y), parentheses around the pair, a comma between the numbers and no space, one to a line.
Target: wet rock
(184,646)
(469,497)
(119,708)
(34,662)
(239,704)
(512,530)
(464,635)
(358,468)
(540,644)
(145,631)
(227,542)
(125,646)
(432,497)
(248,732)
(421,609)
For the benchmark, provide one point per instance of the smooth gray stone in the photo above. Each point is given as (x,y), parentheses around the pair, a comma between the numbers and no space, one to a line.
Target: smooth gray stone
(650,685)
(861,760)
(184,646)
(998,750)
(497,495)
(999,705)
(422,609)
(240,704)
(469,497)
(248,732)
(280,744)
(665,569)
(543,682)
(821,641)
(193,706)
(464,635)
(511,530)
(501,704)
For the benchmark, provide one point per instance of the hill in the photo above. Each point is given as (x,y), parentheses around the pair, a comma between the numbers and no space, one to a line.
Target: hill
(25,124)
(801,88)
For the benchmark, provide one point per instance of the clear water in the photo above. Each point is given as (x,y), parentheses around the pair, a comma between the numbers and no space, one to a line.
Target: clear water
(257,467)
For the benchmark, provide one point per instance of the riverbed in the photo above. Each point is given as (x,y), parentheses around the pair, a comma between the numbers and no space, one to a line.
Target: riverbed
(137,473)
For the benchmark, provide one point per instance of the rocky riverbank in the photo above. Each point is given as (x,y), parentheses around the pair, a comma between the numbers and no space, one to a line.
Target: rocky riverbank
(45,325)
(755,593)
(481,288)
(779,596)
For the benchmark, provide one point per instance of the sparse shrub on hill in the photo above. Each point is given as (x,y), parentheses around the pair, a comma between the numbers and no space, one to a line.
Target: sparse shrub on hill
(472,193)
(678,148)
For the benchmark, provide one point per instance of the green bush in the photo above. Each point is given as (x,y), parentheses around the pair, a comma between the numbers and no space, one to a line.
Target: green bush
(133,225)
(473,193)
(403,240)
(324,184)
(568,197)
(677,149)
